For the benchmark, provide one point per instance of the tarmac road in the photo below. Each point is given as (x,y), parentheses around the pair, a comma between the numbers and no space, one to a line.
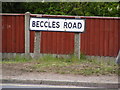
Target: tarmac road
(11,86)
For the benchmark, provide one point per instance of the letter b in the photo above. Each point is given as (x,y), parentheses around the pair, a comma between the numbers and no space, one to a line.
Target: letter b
(33,23)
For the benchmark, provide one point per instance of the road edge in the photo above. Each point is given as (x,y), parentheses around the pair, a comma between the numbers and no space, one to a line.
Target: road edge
(70,83)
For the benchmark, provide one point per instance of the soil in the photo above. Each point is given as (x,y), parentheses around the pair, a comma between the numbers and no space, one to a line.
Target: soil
(14,69)
(17,71)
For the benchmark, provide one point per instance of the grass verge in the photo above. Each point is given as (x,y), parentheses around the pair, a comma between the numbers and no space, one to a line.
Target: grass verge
(68,65)
(17,59)
(74,66)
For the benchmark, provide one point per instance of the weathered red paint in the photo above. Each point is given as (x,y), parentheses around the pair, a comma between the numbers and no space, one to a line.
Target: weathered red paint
(102,36)
(13,34)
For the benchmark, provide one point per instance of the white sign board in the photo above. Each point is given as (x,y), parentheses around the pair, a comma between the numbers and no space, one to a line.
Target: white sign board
(57,24)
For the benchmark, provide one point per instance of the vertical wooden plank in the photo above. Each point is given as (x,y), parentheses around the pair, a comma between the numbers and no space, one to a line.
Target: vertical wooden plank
(13,34)
(54,42)
(83,36)
(100,40)
(32,34)
(92,38)
(106,46)
(102,30)
(69,40)
(49,45)
(51,48)
(67,43)
(69,49)
(87,36)
(6,31)
(58,42)
(111,37)
(96,33)
(19,43)
(71,43)
(3,34)
(45,42)
(7,34)
(41,42)
(23,34)
(82,43)
(17,34)
(51,42)
(1,38)
(12,42)
(59,47)
(62,43)
(116,37)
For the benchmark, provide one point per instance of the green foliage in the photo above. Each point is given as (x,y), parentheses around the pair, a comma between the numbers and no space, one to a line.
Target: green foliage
(70,65)
(64,8)
(73,65)
(82,56)
(21,59)
(17,59)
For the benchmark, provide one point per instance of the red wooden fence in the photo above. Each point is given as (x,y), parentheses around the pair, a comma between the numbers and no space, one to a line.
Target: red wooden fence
(13,34)
(102,37)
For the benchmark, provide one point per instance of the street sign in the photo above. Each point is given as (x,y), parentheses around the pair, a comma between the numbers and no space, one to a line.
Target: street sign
(57,24)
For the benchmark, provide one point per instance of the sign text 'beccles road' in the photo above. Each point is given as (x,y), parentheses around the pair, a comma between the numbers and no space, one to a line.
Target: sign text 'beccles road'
(49,24)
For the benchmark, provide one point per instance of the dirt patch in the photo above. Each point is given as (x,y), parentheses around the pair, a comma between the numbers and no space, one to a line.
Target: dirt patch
(14,69)
(59,66)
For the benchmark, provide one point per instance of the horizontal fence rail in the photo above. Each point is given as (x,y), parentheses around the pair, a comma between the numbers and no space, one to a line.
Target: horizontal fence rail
(101,38)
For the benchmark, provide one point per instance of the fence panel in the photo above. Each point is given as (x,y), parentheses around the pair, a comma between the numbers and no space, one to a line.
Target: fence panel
(102,37)
(13,34)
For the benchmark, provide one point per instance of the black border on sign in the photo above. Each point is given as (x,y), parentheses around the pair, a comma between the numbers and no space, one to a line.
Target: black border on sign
(56,30)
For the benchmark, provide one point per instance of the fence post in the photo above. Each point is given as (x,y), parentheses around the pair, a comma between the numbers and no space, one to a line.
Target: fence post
(0,33)
(27,34)
(77,45)
(37,44)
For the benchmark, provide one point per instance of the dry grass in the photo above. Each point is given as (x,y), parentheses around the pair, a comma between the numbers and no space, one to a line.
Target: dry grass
(65,66)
